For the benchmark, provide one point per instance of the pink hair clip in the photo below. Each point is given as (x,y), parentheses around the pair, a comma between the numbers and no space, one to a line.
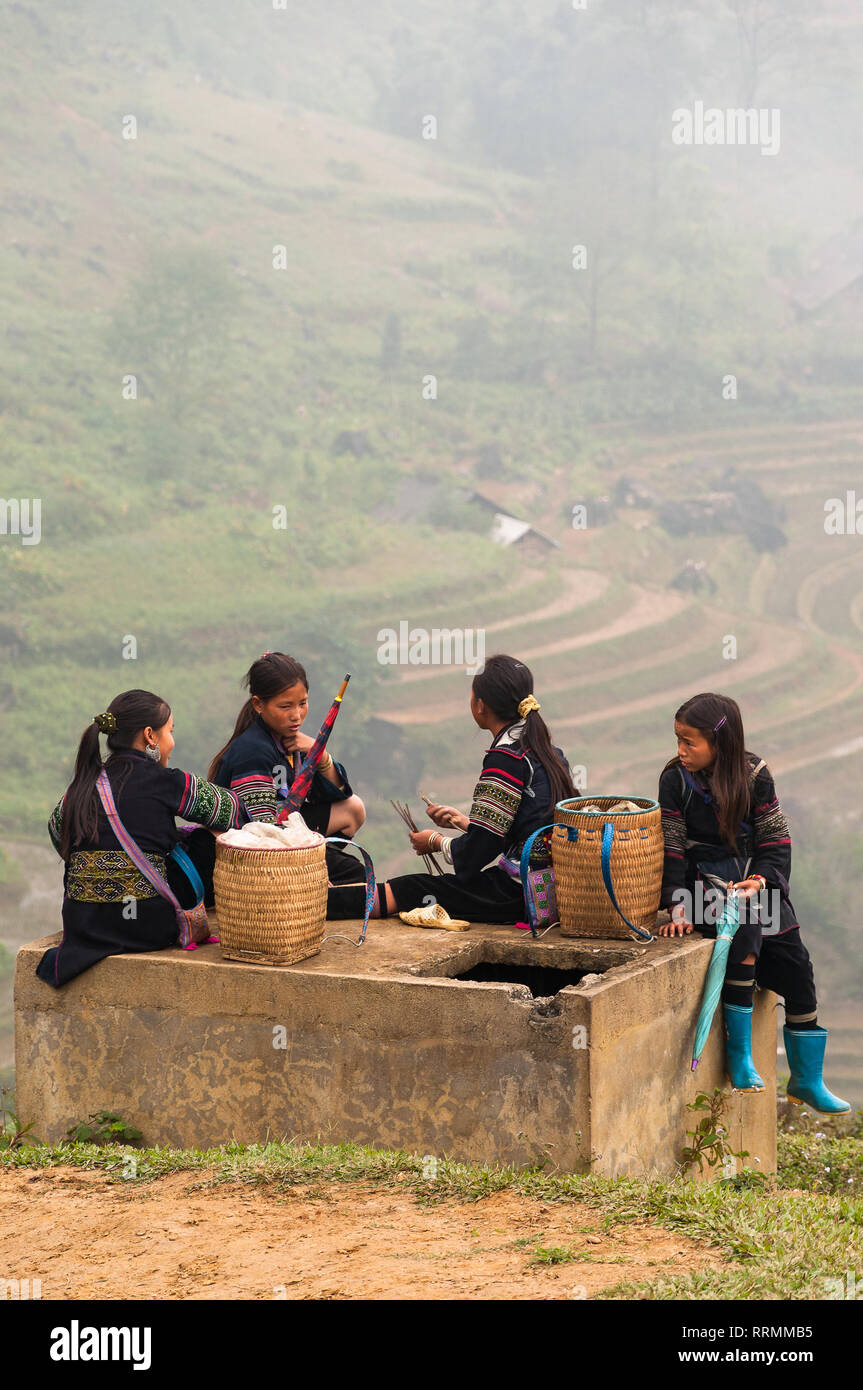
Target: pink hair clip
(718,726)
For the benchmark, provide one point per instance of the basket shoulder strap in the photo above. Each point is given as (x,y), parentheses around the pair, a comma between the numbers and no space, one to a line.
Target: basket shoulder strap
(524,870)
(187,864)
(607,839)
(370,879)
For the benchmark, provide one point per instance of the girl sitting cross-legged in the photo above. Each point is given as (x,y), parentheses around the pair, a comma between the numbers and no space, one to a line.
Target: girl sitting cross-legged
(264,753)
(523,776)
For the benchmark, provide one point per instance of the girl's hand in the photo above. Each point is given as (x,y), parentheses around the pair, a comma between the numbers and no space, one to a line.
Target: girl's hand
(677,924)
(447,817)
(748,887)
(298,743)
(420,840)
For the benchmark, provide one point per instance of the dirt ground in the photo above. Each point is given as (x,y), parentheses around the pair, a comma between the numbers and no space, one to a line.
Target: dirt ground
(87,1237)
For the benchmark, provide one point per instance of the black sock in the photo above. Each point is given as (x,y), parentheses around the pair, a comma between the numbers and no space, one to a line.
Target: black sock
(800,1025)
(739,986)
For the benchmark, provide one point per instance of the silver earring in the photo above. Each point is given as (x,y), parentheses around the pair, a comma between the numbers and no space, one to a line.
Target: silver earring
(153,751)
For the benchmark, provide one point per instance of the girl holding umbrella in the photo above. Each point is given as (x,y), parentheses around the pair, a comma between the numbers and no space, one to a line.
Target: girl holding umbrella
(265,754)
(723,824)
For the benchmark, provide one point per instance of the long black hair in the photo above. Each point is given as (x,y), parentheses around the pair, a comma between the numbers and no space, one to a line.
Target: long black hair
(133,711)
(266,678)
(502,684)
(730,772)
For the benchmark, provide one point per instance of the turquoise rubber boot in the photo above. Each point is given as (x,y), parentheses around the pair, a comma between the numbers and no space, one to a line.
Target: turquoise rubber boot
(738,1049)
(804,1048)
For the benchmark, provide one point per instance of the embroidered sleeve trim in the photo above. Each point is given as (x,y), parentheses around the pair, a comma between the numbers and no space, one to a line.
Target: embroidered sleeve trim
(674,833)
(258,795)
(771,825)
(216,807)
(55,825)
(494,806)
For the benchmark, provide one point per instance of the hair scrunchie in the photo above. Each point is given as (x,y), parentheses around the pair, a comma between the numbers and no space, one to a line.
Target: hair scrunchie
(527,704)
(106,723)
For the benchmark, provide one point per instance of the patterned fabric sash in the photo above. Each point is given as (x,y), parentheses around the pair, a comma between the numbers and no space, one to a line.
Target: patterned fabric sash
(192,924)
(108,876)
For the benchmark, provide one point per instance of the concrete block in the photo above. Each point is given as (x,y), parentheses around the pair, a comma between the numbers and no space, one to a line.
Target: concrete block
(384,1045)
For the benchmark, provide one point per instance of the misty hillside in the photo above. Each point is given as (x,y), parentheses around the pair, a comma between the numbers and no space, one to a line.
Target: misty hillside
(241,308)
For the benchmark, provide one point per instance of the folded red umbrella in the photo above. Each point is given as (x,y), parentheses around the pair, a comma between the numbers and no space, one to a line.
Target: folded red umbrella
(299,788)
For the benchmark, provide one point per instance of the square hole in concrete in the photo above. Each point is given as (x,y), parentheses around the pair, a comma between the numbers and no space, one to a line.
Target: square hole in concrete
(541,980)
(543,968)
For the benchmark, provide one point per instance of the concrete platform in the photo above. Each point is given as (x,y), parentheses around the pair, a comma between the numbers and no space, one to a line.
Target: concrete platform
(384,1045)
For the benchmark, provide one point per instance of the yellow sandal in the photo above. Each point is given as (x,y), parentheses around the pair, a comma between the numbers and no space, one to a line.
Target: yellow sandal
(433,916)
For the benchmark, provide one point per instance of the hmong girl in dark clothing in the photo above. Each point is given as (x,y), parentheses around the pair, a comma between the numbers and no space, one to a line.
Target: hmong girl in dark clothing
(109,908)
(523,776)
(723,823)
(265,751)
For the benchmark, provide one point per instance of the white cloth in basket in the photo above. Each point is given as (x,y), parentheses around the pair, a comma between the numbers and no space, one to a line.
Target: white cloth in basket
(258,834)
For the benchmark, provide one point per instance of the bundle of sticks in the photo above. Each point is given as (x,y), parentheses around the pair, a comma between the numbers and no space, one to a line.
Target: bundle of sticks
(430,860)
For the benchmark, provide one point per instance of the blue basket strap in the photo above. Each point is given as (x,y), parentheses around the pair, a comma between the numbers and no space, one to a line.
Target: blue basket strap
(370,879)
(181,857)
(607,837)
(524,869)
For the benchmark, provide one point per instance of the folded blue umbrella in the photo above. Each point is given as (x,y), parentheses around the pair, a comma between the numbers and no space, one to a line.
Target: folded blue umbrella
(725,930)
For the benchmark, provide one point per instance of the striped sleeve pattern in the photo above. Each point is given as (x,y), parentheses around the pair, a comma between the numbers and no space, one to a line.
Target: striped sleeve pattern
(218,808)
(674,833)
(258,794)
(772,835)
(497,795)
(770,825)
(496,799)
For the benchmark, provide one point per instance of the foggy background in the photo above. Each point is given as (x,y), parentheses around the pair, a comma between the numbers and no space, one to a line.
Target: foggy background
(317,320)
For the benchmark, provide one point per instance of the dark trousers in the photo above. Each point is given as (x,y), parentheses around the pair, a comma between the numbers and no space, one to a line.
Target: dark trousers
(781,963)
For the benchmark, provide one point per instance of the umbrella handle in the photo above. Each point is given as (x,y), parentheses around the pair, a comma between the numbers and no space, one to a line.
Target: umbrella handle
(607,837)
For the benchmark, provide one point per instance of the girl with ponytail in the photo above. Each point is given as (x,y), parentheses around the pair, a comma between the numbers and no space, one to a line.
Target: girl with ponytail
(264,753)
(523,776)
(723,825)
(109,907)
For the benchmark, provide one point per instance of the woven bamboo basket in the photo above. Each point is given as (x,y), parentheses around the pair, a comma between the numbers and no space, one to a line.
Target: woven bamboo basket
(636,867)
(271,903)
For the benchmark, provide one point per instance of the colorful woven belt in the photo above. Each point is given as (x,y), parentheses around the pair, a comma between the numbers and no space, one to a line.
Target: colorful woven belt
(108,876)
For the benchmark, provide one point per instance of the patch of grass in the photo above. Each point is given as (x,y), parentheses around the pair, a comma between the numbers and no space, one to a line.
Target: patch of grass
(557,1255)
(818,1163)
(775,1243)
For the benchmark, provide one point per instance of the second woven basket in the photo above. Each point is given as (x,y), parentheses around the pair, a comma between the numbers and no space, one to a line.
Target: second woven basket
(271,903)
(637,851)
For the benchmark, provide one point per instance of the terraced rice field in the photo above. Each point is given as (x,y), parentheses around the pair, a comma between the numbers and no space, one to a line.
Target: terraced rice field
(614,650)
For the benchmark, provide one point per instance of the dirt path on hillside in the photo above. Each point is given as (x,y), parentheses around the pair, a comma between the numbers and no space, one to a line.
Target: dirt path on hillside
(810,588)
(86,1237)
(577,589)
(649,608)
